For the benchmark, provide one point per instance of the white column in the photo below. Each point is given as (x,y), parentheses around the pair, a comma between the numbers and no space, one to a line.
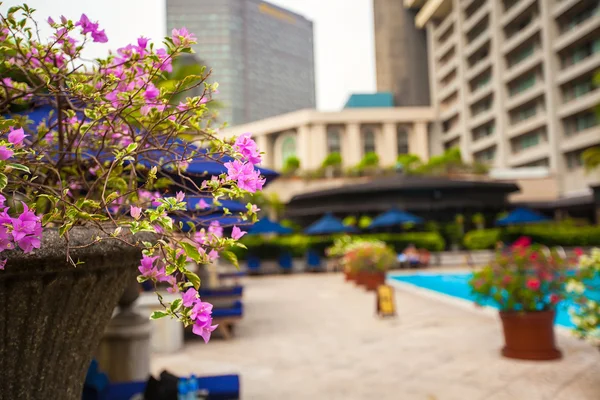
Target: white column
(303,147)
(418,140)
(318,144)
(352,145)
(387,144)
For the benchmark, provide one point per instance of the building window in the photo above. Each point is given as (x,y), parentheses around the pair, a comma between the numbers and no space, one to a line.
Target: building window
(544,162)
(524,113)
(478,30)
(288,148)
(580,17)
(580,122)
(580,53)
(574,160)
(578,89)
(483,131)
(485,156)
(526,141)
(452,144)
(480,82)
(402,141)
(333,141)
(521,54)
(523,84)
(481,106)
(368,141)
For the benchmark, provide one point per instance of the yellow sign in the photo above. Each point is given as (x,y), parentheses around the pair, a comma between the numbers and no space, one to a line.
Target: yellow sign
(386,307)
(274,12)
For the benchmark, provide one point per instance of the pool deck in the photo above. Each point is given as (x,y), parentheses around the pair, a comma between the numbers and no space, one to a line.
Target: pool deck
(313,336)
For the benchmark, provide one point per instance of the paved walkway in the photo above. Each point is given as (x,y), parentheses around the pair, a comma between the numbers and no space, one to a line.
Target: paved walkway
(316,337)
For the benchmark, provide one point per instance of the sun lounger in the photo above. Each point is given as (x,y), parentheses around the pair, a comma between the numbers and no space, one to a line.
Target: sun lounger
(222,297)
(227,318)
(222,387)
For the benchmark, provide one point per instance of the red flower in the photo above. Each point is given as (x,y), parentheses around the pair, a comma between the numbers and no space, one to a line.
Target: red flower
(554,298)
(506,279)
(534,256)
(533,284)
(523,241)
(578,251)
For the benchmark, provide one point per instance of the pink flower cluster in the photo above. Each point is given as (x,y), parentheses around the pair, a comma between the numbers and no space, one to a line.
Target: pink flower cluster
(88,26)
(156,271)
(24,230)
(200,314)
(243,172)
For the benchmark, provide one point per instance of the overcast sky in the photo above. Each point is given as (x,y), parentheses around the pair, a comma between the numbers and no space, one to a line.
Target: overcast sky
(345,60)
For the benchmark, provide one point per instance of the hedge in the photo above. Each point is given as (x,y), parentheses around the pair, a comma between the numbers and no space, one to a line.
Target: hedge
(297,245)
(546,234)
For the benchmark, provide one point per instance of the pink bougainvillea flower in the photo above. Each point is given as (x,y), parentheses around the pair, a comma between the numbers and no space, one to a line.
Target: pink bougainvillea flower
(28,243)
(182,37)
(135,212)
(88,26)
(533,284)
(215,228)
(16,136)
(237,233)
(180,196)
(246,176)
(151,92)
(5,153)
(190,297)
(202,205)
(149,270)
(204,331)
(254,208)
(142,42)
(522,242)
(2,264)
(99,36)
(213,255)
(247,147)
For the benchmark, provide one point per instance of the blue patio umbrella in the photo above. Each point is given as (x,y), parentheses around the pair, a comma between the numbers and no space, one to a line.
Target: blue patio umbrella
(202,167)
(394,217)
(328,224)
(193,204)
(204,221)
(520,216)
(266,226)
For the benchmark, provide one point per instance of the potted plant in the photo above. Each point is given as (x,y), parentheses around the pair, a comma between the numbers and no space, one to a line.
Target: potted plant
(369,261)
(525,283)
(93,178)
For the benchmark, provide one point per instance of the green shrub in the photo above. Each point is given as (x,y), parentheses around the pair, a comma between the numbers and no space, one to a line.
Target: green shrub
(481,239)
(332,160)
(297,245)
(549,234)
(370,159)
(292,164)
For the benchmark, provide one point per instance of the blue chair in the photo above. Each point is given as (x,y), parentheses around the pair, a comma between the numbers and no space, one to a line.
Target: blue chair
(286,262)
(224,387)
(313,261)
(96,383)
(253,265)
(227,317)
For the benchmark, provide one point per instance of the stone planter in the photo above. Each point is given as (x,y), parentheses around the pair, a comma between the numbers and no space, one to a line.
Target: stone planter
(53,315)
(529,335)
(370,279)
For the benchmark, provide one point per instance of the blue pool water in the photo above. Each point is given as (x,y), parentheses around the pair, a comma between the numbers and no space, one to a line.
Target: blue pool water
(457,285)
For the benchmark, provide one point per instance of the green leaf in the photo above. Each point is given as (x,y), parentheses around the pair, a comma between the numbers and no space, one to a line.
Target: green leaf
(3,181)
(158,314)
(193,278)
(19,167)
(191,251)
(231,257)
(175,305)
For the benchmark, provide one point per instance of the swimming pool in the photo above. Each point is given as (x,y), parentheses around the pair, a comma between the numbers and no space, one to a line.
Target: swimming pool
(457,285)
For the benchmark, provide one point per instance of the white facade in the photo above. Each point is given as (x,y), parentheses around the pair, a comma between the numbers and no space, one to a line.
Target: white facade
(311,135)
(512,82)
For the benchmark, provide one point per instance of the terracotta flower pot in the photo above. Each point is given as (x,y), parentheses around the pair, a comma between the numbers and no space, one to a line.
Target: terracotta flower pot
(374,280)
(349,276)
(529,335)
(361,278)
(53,314)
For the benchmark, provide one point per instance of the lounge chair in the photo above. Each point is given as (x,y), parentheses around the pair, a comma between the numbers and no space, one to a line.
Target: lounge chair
(222,297)
(313,261)
(222,387)
(286,262)
(227,318)
(253,265)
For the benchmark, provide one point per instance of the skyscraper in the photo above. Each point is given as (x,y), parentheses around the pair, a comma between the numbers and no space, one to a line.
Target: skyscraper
(512,82)
(400,54)
(261,54)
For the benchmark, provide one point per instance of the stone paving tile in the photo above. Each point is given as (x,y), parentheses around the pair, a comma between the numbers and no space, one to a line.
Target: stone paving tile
(316,337)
